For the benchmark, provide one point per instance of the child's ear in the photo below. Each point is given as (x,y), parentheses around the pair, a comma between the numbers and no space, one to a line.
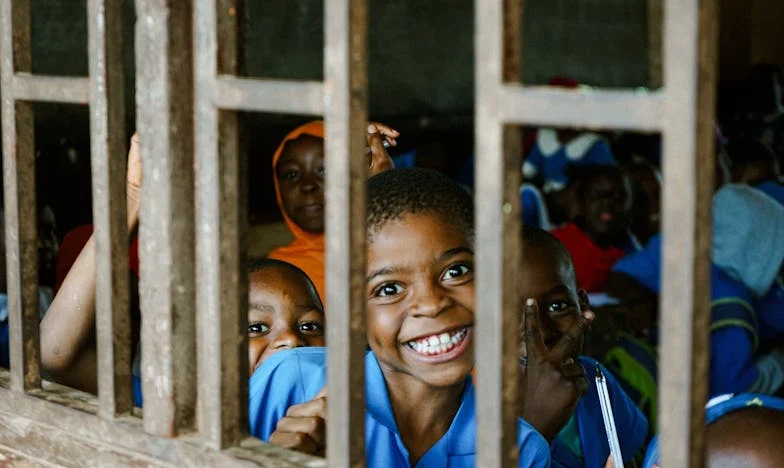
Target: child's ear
(582,296)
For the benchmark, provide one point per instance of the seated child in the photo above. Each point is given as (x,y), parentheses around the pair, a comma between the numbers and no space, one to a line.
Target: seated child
(747,290)
(598,236)
(548,275)
(645,213)
(751,162)
(556,150)
(743,430)
(421,304)
(298,168)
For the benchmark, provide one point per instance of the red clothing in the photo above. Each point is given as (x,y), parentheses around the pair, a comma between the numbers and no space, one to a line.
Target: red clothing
(72,245)
(592,264)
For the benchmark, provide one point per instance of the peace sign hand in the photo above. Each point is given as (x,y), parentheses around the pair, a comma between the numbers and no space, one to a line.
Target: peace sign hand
(551,382)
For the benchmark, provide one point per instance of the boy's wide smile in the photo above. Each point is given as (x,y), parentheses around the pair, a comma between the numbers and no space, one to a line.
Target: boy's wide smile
(440,347)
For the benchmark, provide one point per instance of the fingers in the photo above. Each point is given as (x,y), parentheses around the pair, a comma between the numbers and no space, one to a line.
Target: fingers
(295,441)
(311,426)
(610,463)
(575,374)
(322,393)
(533,332)
(315,407)
(571,340)
(388,133)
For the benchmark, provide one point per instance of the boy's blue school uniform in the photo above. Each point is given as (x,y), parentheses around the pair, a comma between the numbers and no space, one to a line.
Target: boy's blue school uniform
(739,322)
(583,441)
(296,376)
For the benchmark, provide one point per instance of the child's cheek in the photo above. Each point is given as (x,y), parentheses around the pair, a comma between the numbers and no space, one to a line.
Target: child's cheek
(256,348)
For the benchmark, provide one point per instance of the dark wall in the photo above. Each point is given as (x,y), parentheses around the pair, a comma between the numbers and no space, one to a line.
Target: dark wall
(420,73)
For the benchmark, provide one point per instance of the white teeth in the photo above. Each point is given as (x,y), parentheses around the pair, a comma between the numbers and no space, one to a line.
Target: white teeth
(438,344)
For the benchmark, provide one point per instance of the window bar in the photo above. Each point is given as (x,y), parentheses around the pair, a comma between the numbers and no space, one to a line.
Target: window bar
(690,84)
(345,73)
(497,60)
(20,203)
(108,163)
(221,272)
(164,104)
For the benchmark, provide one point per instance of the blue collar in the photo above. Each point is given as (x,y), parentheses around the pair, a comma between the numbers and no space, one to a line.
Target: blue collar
(461,435)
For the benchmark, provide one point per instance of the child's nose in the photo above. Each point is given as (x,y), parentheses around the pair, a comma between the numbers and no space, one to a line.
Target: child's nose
(310,183)
(286,340)
(430,301)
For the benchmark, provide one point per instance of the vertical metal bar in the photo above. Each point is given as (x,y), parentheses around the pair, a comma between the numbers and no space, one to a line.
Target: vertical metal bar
(220,270)
(690,86)
(497,59)
(345,72)
(108,163)
(20,205)
(164,104)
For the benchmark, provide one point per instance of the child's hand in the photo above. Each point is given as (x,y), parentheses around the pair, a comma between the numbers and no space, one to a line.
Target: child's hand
(303,427)
(551,383)
(379,158)
(133,180)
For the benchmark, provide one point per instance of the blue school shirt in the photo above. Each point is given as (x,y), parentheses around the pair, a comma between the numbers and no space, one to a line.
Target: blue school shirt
(549,160)
(739,322)
(772,189)
(583,442)
(534,207)
(296,376)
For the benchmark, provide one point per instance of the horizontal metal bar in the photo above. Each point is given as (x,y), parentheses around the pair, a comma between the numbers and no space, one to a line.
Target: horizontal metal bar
(280,96)
(38,88)
(49,422)
(595,109)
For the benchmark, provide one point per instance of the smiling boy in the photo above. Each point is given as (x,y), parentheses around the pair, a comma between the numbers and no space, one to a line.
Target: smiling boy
(420,305)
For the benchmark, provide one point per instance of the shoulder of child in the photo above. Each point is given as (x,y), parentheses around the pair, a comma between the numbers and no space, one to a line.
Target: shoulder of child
(285,379)
(534,451)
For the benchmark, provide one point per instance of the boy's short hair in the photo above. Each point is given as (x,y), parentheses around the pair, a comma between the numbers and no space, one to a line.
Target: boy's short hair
(399,192)
(534,237)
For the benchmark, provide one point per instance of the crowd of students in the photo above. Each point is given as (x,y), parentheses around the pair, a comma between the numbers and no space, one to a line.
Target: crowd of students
(592,262)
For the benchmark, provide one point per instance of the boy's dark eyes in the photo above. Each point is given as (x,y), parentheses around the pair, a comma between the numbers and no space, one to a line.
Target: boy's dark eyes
(388,289)
(320,171)
(559,307)
(456,271)
(258,328)
(311,328)
(290,175)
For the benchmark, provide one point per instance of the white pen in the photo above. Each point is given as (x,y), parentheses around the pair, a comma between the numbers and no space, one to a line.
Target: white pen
(609,419)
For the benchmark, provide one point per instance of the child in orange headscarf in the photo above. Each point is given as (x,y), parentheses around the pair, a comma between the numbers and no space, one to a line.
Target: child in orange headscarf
(298,170)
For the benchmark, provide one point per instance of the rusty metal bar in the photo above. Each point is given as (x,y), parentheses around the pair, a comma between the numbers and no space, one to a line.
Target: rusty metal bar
(221,274)
(345,72)
(72,90)
(497,60)
(623,110)
(263,95)
(164,104)
(20,205)
(108,163)
(690,59)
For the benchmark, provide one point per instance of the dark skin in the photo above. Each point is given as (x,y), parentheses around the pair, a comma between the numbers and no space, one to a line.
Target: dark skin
(555,327)
(420,283)
(604,208)
(284,312)
(750,438)
(300,174)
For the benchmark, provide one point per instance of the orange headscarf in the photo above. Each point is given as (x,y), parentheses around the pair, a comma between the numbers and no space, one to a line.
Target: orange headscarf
(306,251)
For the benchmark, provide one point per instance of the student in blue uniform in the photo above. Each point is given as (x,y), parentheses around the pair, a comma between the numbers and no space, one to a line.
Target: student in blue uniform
(747,291)
(420,306)
(580,439)
(743,430)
